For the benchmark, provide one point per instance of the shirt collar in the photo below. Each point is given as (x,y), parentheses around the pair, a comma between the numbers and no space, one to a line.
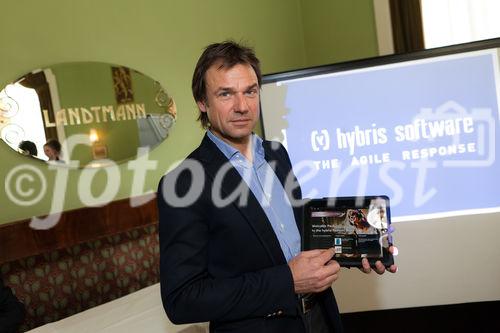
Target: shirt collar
(258,152)
(230,152)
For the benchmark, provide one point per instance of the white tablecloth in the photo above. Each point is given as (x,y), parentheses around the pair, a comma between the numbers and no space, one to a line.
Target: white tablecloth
(140,311)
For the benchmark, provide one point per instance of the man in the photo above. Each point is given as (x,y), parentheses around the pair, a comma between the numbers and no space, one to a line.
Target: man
(229,236)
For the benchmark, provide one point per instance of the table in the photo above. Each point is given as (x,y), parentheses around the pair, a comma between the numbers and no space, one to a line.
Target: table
(141,311)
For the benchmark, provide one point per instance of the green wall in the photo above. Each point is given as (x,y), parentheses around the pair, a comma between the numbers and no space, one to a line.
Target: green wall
(162,39)
(338,30)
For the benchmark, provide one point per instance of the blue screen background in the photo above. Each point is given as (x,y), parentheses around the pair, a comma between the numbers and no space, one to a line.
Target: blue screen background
(388,97)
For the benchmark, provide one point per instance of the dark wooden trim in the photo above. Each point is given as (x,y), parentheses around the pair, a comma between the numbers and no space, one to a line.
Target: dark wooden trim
(407,27)
(380,60)
(19,240)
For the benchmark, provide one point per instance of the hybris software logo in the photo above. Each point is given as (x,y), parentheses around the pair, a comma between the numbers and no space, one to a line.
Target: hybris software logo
(320,140)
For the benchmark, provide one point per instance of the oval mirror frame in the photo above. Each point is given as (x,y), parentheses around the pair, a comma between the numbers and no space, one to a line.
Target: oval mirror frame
(91,113)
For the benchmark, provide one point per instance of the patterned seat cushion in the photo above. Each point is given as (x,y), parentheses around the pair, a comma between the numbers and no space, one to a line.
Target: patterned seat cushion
(60,283)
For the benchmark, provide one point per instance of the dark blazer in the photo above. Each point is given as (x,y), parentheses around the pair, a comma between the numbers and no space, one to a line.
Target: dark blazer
(224,264)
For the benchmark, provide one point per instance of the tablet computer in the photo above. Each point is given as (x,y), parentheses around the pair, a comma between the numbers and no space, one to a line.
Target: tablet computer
(357,227)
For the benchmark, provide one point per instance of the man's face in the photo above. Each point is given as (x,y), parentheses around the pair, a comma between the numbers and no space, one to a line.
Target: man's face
(50,152)
(232,103)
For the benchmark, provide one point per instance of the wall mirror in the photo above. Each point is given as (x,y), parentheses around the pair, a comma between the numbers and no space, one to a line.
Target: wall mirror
(115,109)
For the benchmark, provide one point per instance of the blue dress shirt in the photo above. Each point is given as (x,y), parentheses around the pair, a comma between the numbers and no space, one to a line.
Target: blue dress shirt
(267,189)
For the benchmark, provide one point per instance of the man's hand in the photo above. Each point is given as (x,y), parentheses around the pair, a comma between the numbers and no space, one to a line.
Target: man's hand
(379,267)
(314,271)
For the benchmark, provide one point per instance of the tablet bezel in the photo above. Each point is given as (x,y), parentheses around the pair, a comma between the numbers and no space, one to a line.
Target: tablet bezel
(340,203)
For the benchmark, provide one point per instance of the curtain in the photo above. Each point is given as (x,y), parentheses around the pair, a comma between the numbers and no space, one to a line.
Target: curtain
(407,28)
(448,22)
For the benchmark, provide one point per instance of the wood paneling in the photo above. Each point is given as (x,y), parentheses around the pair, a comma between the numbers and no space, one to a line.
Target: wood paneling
(19,240)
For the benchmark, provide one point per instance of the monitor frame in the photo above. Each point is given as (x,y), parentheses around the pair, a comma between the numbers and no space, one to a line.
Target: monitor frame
(375,61)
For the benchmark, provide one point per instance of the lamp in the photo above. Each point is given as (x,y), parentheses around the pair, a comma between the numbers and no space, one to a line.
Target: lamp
(93,136)
(99,150)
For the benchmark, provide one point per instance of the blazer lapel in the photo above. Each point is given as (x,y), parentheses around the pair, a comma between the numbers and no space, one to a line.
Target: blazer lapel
(213,160)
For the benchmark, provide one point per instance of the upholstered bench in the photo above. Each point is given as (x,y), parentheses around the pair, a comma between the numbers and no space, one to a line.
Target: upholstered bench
(63,282)
(92,256)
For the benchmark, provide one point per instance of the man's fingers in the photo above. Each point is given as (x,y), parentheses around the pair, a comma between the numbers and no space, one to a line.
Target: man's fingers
(327,255)
(332,267)
(365,266)
(312,253)
(331,271)
(327,282)
(379,267)
(333,262)
(316,273)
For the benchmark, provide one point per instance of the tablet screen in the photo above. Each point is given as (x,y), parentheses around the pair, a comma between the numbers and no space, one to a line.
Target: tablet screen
(356,227)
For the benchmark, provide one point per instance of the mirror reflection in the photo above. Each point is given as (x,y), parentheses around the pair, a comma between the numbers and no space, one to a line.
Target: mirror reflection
(86,111)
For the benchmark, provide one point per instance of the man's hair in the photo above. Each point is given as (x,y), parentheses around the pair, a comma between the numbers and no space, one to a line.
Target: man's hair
(228,54)
(54,144)
(28,148)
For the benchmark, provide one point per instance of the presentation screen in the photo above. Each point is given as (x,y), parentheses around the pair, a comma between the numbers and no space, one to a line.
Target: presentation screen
(420,128)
